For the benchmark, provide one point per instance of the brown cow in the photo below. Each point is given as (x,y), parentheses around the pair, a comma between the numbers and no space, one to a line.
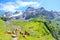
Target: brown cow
(8,32)
(27,33)
(21,33)
(13,32)
(17,30)
(23,36)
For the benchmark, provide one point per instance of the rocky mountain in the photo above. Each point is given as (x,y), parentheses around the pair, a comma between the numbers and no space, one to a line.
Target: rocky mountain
(36,12)
(30,12)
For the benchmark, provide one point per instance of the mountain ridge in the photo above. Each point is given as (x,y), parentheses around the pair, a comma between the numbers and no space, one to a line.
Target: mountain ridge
(31,12)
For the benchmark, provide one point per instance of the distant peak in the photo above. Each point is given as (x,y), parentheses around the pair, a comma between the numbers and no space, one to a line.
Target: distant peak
(16,12)
(30,9)
(42,8)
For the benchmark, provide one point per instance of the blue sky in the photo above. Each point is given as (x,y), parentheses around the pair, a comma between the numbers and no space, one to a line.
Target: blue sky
(21,5)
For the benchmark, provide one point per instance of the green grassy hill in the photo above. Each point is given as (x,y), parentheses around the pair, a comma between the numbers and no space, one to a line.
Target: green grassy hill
(37,28)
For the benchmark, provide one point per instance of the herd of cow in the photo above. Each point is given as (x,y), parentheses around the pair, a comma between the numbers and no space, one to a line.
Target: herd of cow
(16,31)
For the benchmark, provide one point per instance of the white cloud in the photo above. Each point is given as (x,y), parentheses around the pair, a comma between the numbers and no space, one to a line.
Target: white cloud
(24,4)
(13,6)
(8,7)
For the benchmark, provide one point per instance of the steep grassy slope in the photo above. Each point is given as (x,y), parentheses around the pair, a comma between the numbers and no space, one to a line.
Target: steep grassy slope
(38,30)
(36,27)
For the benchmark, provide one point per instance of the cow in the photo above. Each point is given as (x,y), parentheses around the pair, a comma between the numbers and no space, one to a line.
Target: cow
(8,32)
(27,33)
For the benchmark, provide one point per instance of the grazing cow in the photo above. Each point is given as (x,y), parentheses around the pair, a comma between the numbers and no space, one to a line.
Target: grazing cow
(27,33)
(21,33)
(17,30)
(23,36)
(13,32)
(8,32)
